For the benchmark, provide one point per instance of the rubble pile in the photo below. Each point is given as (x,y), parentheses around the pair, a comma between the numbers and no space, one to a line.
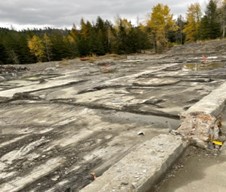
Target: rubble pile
(11,69)
(201,129)
(7,72)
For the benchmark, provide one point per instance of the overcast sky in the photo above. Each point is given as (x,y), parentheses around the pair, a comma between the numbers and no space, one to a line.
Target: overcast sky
(64,13)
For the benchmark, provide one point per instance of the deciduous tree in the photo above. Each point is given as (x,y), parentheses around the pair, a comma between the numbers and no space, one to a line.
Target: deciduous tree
(161,22)
(37,47)
(192,26)
(222,15)
(48,46)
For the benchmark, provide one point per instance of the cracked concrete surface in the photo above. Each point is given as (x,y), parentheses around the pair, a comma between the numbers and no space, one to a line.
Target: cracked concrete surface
(59,125)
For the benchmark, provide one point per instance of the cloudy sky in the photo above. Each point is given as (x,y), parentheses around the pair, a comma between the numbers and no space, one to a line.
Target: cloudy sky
(64,13)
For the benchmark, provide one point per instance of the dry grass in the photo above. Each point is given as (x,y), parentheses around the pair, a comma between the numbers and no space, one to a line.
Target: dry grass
(64,62)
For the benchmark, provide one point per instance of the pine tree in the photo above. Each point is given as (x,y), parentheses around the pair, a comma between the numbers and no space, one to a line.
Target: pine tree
(3,54)
(210,25)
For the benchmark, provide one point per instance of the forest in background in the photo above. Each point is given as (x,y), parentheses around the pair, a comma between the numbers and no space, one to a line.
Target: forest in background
(101,37)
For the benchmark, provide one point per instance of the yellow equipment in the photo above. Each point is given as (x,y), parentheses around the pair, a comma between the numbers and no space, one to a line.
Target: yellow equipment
(217,142)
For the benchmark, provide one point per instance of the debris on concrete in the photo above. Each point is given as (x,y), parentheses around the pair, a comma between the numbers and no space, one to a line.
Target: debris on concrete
(5,69)
(93,175)
(199,128)
(25,96)
(141,133)
(202,123)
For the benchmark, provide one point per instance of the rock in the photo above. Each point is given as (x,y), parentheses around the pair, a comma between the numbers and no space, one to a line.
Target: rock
(24,96)
(50,69)
(141,133)
(124,183)
(42,81)
(153,101)
(199,128)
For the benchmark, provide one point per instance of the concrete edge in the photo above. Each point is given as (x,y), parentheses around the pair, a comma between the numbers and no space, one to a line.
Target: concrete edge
(142,168)
(211,104)
(201,123)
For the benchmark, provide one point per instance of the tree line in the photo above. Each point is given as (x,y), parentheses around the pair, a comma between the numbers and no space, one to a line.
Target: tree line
(158,32)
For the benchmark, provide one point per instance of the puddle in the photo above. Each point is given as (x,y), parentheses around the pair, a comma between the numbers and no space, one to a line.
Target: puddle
(202,66)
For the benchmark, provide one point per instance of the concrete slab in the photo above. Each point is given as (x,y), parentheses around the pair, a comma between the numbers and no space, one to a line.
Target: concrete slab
(212,104)
(19,182)
(78,136)
(202,122)
(90,118)
(37,87)
(141,168)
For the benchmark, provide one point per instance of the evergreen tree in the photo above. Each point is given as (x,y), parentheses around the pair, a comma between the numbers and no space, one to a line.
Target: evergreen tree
(210,25)
(3,54)
(179,34)
(60,46)
(84,38)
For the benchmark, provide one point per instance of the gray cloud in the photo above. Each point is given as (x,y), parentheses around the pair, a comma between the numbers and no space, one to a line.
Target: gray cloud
(59,13)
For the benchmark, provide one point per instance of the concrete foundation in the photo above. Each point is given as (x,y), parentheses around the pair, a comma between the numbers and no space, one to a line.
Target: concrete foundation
(202,122)
(142,168)
(61,121)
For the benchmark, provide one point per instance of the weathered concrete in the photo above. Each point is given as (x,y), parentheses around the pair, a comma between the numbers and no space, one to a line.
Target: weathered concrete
(39,172)
(212,104)
(82,139)
(134,173)
(198,170)
(89,117)
(37,87)
(201,172)
(141,168)
(201,123)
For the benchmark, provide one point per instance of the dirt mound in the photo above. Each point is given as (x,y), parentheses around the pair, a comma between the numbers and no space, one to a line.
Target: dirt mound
(217,47)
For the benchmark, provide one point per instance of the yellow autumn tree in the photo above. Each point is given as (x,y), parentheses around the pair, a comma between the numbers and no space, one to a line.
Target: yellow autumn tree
(37,47)
(192,27)
(160,23)
(122,22)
